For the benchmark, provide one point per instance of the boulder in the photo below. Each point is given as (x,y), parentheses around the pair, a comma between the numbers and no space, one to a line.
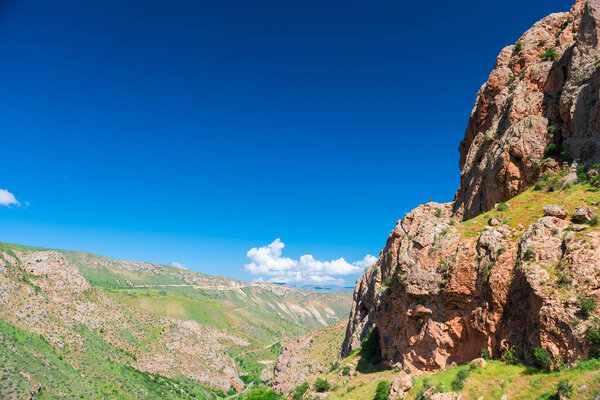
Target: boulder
(553,210)
(582,215)
(568,180)
(429,392)
(400,386)
(494,221)
(479,362)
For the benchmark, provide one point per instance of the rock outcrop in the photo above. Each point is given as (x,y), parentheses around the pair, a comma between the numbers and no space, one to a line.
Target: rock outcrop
(543,90)
(400,386)
(441,292)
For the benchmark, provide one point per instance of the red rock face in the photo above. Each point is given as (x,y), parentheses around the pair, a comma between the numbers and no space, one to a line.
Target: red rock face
(451,296)
(528,102)
(437,297)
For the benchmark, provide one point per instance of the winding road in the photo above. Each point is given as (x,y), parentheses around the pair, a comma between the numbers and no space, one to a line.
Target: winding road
(233,396)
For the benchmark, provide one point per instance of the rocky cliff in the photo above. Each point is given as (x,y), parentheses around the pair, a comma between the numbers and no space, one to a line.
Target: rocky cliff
(518,278)
(542,90)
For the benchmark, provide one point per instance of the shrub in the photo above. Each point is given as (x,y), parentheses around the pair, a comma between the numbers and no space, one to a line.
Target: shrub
(549,54)
(459,382)
(541,43)
(593,334)
(587,306)
(322,385)
(502,207)
(346,370)
(438,212)
(518,46)
(300,390)
(263,395)
(563,280)
(381,393)
(485,354)
(552,150)
(334,365)
(593,221)
(543,359)
(564,389)
(510,356)
(551,129)
(387,282)
(528,255)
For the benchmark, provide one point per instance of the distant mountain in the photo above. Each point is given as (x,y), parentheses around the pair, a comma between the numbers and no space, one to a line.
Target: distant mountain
(78,324)
(323,288)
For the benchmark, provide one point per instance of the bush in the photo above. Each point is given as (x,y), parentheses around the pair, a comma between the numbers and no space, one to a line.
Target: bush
(518,46)
(510,356)
(322,385)
(300,390)
(502,207)
(334,365)
(346,370)
(459,382)
(263,395)
(549,55)
(485,354)
(593,334)
(543,359)
(587,306)
(541,43)
(551,129)
(564,389)
(387,282)
(563,280)
(438,212)
(528,255)
(593,221)
(381,393)
(552,150)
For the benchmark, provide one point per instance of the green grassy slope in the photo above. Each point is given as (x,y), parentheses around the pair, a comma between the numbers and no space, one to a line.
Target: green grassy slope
(95,342)
(29,364)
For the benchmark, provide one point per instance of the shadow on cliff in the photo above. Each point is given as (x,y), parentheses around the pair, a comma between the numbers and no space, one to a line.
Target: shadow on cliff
(370,354)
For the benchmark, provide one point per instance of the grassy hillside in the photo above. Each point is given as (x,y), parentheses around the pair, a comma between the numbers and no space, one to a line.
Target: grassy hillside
(499,377)
(77,325)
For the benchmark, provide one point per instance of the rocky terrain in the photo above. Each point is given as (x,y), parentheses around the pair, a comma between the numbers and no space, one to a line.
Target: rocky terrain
(453,280)
(140,330)
(543,89)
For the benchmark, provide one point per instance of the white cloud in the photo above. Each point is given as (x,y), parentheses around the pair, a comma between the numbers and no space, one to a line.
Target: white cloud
(180,265)
(7,198)
(367,261)
(267,261)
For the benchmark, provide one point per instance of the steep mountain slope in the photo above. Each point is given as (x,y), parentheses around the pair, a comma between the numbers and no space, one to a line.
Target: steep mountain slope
(124,329)
(543,90)
(522,278)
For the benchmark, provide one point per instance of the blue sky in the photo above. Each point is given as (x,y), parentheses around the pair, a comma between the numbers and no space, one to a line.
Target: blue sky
(194,131)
